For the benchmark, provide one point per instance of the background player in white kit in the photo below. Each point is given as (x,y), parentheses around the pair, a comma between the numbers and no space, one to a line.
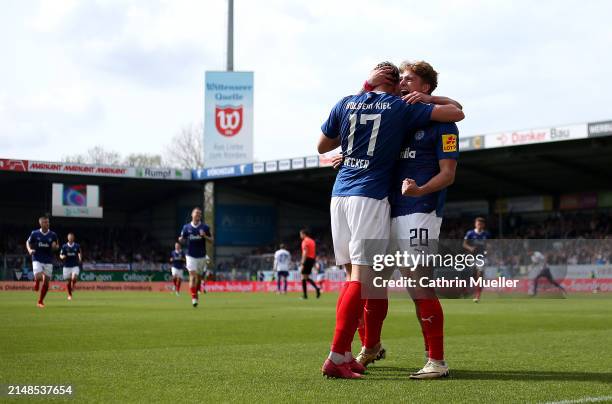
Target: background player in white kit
(72,257)
(195,234)
(538,261)
(282,261)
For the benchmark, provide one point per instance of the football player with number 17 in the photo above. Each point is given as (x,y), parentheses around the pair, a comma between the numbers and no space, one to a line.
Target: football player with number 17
(370,128)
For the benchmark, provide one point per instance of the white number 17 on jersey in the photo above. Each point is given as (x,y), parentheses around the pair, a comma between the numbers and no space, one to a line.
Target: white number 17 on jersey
(363,120)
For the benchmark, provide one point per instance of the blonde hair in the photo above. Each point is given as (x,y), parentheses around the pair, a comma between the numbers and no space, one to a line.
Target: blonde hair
(424,70)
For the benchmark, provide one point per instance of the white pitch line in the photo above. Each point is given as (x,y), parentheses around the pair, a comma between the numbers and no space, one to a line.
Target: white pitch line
(582,400)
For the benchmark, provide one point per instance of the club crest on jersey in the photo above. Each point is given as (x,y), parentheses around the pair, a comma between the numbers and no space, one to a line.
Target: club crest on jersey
(420,134)
(228,119)
(449,143)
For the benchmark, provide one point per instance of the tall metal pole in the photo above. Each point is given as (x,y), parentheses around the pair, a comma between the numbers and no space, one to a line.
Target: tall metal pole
(230,35)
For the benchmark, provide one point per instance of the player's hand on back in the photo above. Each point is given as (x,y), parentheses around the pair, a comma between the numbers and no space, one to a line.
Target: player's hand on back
(336,161)
(416,96)
(410,188)
(381,76)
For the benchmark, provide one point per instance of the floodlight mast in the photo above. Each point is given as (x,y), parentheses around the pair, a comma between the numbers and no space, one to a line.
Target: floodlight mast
(230,35)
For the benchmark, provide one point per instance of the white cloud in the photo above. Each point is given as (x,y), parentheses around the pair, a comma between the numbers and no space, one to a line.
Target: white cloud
(128,75)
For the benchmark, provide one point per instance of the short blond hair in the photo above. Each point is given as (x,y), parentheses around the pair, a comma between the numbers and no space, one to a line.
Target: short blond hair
(424,70)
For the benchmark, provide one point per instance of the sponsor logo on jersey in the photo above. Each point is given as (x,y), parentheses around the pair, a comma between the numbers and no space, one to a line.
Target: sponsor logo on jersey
(420,134)
(408,154)
(449,143)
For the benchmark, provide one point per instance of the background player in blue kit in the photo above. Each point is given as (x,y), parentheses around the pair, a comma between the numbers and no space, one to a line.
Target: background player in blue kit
(475,243)
(41,245)
(370,128)
(195,234)
(177,263)
(72,257)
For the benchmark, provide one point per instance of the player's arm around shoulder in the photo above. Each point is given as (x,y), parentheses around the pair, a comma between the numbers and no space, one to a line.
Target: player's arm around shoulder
(447,113)
(416,96)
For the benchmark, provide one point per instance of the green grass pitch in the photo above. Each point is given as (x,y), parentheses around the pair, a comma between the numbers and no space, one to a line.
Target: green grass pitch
(154,347)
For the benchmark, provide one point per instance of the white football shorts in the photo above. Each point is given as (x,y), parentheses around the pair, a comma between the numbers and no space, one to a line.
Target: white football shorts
(39,267)
(177,272)
(413,232)
(69,271)
(355,219)
(197,265)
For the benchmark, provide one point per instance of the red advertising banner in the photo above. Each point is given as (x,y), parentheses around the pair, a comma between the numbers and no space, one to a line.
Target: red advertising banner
(578,201)
(523,286)
(82,169)
(221,286)
(14,165)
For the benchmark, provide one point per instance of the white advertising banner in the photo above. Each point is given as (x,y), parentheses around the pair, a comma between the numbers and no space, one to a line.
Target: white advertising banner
(228,118)
(532,136)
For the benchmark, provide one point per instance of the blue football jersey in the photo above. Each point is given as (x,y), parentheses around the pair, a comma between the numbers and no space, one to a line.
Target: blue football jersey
(41,243)
(196,244)
(72,254)
(478,240)
(419,160)
(372,127)
(177,259)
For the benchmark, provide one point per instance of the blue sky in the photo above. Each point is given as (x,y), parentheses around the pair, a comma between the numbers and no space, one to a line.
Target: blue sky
(127,75)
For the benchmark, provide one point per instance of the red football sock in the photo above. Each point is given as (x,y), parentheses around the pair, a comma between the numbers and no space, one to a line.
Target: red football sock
(478,292)
(43,292)
(418,316)
(361,328)
(178,285)
(432,323)
(341,295)
(36,285)
(347,317)
(375,312)
(69,287)
(194,292)
(74,281)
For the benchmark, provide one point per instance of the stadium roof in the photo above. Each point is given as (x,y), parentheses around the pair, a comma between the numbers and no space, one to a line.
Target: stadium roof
(536,169)
(527,154)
